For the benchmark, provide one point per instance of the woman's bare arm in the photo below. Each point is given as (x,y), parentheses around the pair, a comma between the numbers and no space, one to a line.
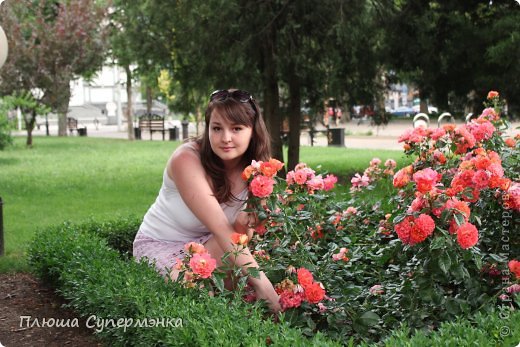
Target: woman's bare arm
(188,173)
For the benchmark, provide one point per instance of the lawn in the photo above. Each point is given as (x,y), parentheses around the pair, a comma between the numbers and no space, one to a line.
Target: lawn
(77,178)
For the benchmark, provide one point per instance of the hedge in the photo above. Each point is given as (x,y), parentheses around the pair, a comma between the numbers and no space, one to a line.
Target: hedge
(96,280)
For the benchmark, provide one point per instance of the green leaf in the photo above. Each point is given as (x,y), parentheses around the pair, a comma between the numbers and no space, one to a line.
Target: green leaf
(254,272)
(459,219)
(437,243)
(399,218)
(218,278)
(445,262)
(368,319)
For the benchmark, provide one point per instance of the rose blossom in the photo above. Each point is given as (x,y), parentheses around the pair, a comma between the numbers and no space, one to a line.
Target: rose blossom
(437,134)
(239,239)
(492,94)
(314,293)
(290,299)
(193,247)
(510,142)
(305,277)
(415,230)
(511,199)
(375,162)
(376,289)
(262,186)
(467,235)
(515,288)
(329,181)
(426,179)
(203,265)
(341,255)
(514,267)
(402,177)
(315,183)
(358,181)
(390,163)
(481,179)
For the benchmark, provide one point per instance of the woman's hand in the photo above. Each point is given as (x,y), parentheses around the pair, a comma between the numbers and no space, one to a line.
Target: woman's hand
(244,224)
(265,290)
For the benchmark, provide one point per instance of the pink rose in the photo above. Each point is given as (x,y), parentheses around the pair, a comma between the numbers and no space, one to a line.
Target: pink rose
(262,186)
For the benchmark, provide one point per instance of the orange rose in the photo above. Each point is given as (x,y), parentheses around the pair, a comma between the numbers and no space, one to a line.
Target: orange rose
(510,142)
(239,239)
(492,94)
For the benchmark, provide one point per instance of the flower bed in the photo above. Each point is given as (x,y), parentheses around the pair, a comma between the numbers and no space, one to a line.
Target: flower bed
(98,281)
(437,248)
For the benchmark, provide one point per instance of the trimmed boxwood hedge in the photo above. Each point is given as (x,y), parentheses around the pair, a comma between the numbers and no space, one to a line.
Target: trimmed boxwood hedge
(97,280)
(89,264)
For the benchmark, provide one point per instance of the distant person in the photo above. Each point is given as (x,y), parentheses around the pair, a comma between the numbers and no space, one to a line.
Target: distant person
(202,195)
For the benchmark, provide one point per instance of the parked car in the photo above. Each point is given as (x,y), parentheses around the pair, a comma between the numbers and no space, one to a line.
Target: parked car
(431,109)
(403,111)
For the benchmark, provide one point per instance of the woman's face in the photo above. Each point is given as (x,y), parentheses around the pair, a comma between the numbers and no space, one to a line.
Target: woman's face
(229,141)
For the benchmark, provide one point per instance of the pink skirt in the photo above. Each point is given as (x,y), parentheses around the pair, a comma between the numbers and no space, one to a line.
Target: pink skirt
(162,254)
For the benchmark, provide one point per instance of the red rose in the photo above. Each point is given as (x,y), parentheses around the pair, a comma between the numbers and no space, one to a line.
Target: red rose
(314,293)
(467,235)
(304,277)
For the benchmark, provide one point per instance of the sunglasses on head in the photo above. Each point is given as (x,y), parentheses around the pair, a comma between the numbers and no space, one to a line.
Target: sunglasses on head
(238,95)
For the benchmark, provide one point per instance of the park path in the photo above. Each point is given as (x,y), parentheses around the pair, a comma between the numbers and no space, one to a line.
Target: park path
(357,134)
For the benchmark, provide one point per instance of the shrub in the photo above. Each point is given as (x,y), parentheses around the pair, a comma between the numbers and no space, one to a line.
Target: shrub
(433,250)
(96,280)
(493,329)
(5,132)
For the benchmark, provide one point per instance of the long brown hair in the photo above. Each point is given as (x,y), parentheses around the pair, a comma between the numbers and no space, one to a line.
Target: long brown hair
(259,148)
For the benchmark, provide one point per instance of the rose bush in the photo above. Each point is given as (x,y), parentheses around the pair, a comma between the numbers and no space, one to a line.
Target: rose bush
(441,243)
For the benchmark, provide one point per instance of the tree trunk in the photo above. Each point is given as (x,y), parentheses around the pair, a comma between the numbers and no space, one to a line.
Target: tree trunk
(293,156)
(63,99)
(271,92)
(29,126)
(423,105)
(129,108)
(148,99)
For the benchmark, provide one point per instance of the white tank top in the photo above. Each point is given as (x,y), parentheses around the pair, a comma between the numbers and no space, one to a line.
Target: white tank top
(170,219)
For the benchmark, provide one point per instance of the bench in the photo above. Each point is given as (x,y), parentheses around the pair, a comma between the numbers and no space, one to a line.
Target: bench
(152,123)
(72,124)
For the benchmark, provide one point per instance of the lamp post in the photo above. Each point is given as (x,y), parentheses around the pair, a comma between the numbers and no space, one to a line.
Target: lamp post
(3,47)
(3,57)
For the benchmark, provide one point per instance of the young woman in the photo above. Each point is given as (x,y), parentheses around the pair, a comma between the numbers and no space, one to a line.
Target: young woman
(203,195)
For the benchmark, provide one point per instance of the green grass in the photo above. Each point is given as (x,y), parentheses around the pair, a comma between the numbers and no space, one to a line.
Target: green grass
(74,179)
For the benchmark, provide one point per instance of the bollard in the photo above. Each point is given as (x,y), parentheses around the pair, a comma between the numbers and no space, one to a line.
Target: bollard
(421,120)
(446,115)
(470,117)
(1,228)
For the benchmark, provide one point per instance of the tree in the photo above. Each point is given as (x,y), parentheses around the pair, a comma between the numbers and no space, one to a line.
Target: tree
(454,49)
(51,43)
(281,51)
(29,107)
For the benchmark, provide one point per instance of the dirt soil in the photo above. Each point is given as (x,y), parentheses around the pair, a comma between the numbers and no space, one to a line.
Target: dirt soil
(22,294)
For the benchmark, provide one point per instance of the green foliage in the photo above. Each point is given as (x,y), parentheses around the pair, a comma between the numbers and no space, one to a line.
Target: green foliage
(405,257)
(97,281)
(51,43)
(498,328)
(5,131)
(29,107)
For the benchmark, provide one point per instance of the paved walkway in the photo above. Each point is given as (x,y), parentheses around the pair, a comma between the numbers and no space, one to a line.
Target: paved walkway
(357,134)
